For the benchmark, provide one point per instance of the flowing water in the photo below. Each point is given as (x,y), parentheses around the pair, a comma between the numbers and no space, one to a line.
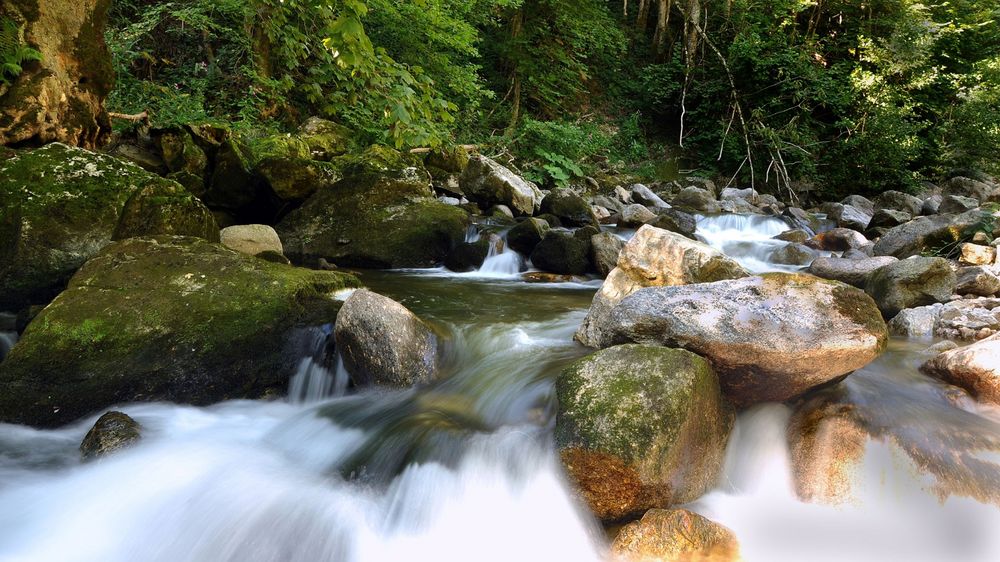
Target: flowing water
(466,470)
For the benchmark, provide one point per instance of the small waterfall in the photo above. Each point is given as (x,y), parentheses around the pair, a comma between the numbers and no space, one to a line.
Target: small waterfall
(748,239)
(313,380)
(7,341)
(501,263)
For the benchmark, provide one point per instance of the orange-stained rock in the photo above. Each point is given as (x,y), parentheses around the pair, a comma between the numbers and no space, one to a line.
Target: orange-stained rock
(675,535)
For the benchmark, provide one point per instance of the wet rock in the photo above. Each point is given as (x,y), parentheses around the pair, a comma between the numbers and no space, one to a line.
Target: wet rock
(827,443)
(571,209)
(838,240)
(383,343)
(651,414)
(976,254)
(957,204)
(796,236)
(976,368)
(634,216)
(562,252)
(488,183)
(899,202)
(58,207)
(469,256)
(379,216)
(112,432)
(501,212)
(979,281)
(165,209)
(847,270)
(251,239)
(675,534)
(926,233)
(918,322)
(605,248)
(793,254)
(165,318)
(526,235)
(655,257)
(911,282)
(545,277)
(696,199)
(799,218)
(769,338)
(847,216)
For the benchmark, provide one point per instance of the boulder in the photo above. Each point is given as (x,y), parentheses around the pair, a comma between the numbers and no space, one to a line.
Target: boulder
(888,218)
(562,252)
(650,415)
(798,218)
(488,183)
(859,202)
(569,207)
(378,216)
(59,98)
(165,318)
(676,221)
(976,368)
(769,338)
(969,319)
(469,256)
(748,194)
(851,271)
(927,233)
(838,240)
(325,139)
(899,202)
(931,205)
(696,199)
(526,235)
(911,282)
(968,187)
(251,239)
(957,204)
(605,248)
(451,160)
(634,216)
(675,534)
(655,257)
(165,209)
(112,432)
(795,235)
(58,207)
(917,322)
(976,254)
(792,254)
(847,216)
(383,343)
(978,280)
(181,154)
(645,196)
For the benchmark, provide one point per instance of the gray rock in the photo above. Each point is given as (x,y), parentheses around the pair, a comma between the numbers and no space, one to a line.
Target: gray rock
(571,209)
(526,235)
(796,235)
(676,221)
(607,202)
(769,338)
(838,240)
(748,194)
(888,218)
(383,343)
(899,201)
(967,187)
(851,271)
(847,216)
(793,254)
(112,432)
(251,239)
(488,183)
(931,204)
(911,282)
(918,322)
(642,194)
(605,248)
(979,280)
(926,233)
(635,215)
(957,204)
(859,202)
(696,199)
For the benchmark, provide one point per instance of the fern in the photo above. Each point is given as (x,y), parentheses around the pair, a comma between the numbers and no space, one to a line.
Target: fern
(13,53)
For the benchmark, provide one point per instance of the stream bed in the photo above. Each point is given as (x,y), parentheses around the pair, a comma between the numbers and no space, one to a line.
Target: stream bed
(382,475)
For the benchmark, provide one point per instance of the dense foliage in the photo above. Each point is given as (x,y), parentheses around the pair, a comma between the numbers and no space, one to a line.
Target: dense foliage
(833,95)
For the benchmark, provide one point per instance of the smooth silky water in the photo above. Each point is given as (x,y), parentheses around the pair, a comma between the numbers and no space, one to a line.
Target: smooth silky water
(466,470)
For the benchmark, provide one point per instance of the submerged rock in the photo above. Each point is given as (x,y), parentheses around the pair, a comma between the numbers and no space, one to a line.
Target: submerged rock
(654,258)
(383,343)
(488,183)
(379,216)
(769,338)
(165,318)
(639,427)
(976,368)
(911,282)
(58,207)
(112,432)
(677,535)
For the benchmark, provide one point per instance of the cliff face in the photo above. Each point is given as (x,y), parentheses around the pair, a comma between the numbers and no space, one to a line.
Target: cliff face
(61,97)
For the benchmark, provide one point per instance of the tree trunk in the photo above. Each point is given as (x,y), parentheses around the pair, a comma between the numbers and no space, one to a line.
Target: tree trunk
(517,24)
(642,16)
(662,20)
(61,98)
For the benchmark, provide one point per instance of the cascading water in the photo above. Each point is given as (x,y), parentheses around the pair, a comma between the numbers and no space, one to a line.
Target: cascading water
(748,239)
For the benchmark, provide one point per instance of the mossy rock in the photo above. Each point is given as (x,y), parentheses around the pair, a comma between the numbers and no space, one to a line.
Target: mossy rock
(562,252)
(276,146)
(657,410)
(378,160)
(231,186)
(180,152)
(58,207)
(293,180)
(165,209)
(325,139)
(449,160)
(165,318)
(375,218)
(112,432)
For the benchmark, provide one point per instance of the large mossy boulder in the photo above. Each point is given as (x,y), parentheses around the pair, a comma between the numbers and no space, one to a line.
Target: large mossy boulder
(488,183)
(770,338)
(165,318)
(165,209)
(325,139)
(911,282)
(59,98)
(381,215)
(58,207)
(655,258)
(383,343)
(641,427)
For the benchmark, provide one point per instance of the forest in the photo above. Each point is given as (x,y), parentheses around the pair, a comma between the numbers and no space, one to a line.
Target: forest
(798,97)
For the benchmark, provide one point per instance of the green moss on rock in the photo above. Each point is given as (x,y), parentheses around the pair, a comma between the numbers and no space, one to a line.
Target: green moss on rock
(165,209)
(164,318)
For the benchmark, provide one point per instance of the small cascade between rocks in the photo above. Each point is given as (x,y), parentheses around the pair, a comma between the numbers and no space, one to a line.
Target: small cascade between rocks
(748,239)
(503,263)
